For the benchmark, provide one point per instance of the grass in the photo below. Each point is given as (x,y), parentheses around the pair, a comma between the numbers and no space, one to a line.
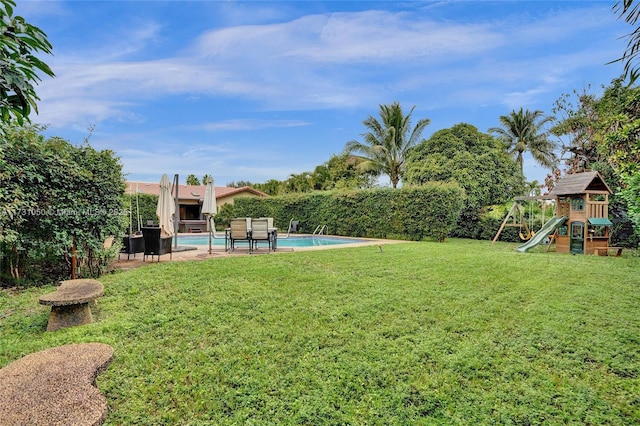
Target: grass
(462,332)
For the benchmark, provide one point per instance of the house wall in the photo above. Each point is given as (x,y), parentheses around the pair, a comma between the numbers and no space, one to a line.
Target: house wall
(220,201)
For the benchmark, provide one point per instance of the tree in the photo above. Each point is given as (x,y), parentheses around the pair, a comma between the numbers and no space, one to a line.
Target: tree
(387,142)
(239,184)
(577,121)
(474,160)
(522,131)
(341,172)
(271,187)
(18,65)
(204,179)
(54,196)
(192,180)
(300,182)
(605,134)
(619,107)
(618,142)
(630,12)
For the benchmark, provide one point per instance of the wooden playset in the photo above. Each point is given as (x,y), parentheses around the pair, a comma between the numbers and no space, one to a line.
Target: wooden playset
(583,199)
(515,218)
(581,224)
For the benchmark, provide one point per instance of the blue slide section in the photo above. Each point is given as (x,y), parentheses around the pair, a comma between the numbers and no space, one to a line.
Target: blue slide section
(543,233)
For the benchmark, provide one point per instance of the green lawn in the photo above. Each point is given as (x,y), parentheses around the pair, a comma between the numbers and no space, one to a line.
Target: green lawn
(462,332)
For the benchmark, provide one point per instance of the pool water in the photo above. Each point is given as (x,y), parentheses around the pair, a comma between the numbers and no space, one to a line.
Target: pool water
(292,241)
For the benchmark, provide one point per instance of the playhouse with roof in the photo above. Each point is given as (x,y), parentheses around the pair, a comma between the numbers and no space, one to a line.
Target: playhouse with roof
(581,224)
(582,198)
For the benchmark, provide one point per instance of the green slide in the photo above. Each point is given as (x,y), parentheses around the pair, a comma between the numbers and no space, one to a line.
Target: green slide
(547,229)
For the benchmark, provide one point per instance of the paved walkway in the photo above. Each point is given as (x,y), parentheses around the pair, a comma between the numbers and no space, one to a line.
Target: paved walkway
(56,386)
(201,252)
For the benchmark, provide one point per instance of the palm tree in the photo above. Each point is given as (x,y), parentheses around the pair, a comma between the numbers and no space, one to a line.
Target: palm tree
(387,142)
(192,180)
(522,132)
(631,14)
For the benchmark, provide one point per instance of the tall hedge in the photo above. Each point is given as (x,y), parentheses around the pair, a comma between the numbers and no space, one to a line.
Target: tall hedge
(143,204)
(414,213)
(55,196)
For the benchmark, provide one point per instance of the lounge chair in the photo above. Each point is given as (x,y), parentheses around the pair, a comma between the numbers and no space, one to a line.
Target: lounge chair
(155,244)
(260,232)
(239,232)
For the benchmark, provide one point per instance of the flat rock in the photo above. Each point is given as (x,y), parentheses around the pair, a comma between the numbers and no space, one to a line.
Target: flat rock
(73,292)
(56,386)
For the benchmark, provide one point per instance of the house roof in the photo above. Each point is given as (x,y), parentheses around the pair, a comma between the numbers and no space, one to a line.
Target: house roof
(191,192)
(580,183)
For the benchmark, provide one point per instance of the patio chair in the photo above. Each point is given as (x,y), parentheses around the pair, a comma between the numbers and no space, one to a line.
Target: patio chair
(108,242)
(239,232)
(269,222)
(260,232)
(132,244)
(104,256)
(155,244)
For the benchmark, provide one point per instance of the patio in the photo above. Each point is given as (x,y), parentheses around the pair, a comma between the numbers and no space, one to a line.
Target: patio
(201,252)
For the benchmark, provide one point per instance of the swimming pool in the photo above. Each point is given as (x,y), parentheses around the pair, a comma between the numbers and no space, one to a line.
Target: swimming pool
(292,241)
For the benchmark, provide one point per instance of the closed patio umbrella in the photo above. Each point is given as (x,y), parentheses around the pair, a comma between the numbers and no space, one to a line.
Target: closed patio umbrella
(209,208)
(166,206)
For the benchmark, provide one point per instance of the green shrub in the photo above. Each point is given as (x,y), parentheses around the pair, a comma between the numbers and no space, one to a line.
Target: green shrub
(142,207)
(55,196)
(415,213)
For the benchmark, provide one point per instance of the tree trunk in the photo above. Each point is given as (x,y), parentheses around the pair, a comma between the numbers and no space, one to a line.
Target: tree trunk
(15,268)
(74,260)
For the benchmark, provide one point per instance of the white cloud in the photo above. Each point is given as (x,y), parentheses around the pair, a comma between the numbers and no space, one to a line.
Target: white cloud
(78,112)
(314,61)
(370,36)
(340,61)
(245,125)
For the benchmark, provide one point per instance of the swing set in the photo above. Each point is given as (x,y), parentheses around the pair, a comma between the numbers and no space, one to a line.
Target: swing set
(516,217)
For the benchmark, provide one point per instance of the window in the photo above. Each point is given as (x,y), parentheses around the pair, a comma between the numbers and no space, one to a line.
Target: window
(577,229)
(563,206)
(597,231)
(577,204)
(189,211)
(598,226)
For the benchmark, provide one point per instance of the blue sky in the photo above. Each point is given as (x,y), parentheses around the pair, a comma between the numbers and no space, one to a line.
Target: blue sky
(261,90)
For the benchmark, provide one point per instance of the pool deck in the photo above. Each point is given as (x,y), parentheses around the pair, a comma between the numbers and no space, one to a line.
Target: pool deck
(201,252)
